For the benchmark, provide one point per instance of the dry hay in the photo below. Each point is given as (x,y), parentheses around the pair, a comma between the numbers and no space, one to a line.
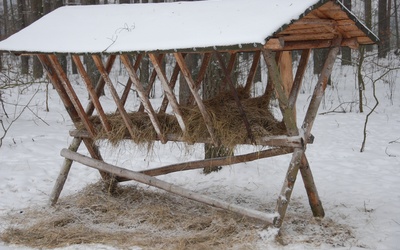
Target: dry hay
(131,216)
(226,120)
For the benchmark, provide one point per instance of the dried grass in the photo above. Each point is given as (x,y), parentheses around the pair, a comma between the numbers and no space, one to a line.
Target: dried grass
(130,217)
(226,120)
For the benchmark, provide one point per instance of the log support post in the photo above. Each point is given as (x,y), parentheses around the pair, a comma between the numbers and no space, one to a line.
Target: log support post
(299,160)
(69,106)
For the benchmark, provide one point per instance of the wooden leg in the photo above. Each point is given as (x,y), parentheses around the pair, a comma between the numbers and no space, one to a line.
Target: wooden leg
(312,193)
(287,188)
(62,177)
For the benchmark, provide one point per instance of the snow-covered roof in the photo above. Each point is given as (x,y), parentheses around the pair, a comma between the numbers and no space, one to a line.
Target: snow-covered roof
(158,27)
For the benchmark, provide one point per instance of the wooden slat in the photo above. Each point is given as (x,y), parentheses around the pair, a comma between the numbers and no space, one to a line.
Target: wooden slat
(144,98)
(113,91)
(253,70)
(168,92)
(227,72)
(151,81)
(298,79)
(203,69)
(128,85)
(309,37)
(92,92)
(100,84)
(192,86)
(72,95)
(172,82)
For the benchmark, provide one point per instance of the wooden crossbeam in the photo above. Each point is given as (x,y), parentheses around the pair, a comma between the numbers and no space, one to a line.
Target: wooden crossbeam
(270,141)
(192,86)
(168,92)
(214,162)
(99,64)
(72,95)
(92,92)
(144,98)
(169,187)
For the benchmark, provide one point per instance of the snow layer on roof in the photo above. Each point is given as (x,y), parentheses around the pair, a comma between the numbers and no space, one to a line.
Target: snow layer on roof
(159,26)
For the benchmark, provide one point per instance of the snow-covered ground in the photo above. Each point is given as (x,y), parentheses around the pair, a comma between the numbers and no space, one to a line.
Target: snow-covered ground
(359,191)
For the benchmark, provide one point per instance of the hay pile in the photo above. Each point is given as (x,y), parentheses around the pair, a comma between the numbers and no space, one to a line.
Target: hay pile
(226,120)
(130,217)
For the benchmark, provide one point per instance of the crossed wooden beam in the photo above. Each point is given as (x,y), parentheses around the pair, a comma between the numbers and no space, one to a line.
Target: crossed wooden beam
(294,142)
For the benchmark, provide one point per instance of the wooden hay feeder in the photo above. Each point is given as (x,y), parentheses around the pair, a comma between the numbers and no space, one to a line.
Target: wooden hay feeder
(130,33)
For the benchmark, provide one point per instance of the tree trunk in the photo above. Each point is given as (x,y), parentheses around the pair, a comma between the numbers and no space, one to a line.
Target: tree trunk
(384,35)
(144,73)
(368,19)
(346,51)
(214,83)
(36,13)
(22,22)
(184,90)
(396,16)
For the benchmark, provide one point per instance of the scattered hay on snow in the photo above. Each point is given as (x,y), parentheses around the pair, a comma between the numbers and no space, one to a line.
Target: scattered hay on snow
(133,216)
(130,217)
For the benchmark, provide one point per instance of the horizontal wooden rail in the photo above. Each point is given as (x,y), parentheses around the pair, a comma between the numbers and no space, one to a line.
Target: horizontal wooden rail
(214,162)
(272,141)
(152,181)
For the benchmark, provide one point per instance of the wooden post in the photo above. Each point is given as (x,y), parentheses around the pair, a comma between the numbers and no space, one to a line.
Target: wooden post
(93,150)
(62,176)
(154,182)
(298,154)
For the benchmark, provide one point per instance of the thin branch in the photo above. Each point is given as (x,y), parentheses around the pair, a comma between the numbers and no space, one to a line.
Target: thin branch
(6,129)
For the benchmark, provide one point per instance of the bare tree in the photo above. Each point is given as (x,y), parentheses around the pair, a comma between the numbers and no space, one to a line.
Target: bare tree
(346,51)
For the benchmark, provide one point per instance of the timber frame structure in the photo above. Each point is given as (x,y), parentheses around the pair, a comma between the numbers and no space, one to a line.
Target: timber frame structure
(323,24)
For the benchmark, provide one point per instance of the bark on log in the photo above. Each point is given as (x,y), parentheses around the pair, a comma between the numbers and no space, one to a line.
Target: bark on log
(221,161)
